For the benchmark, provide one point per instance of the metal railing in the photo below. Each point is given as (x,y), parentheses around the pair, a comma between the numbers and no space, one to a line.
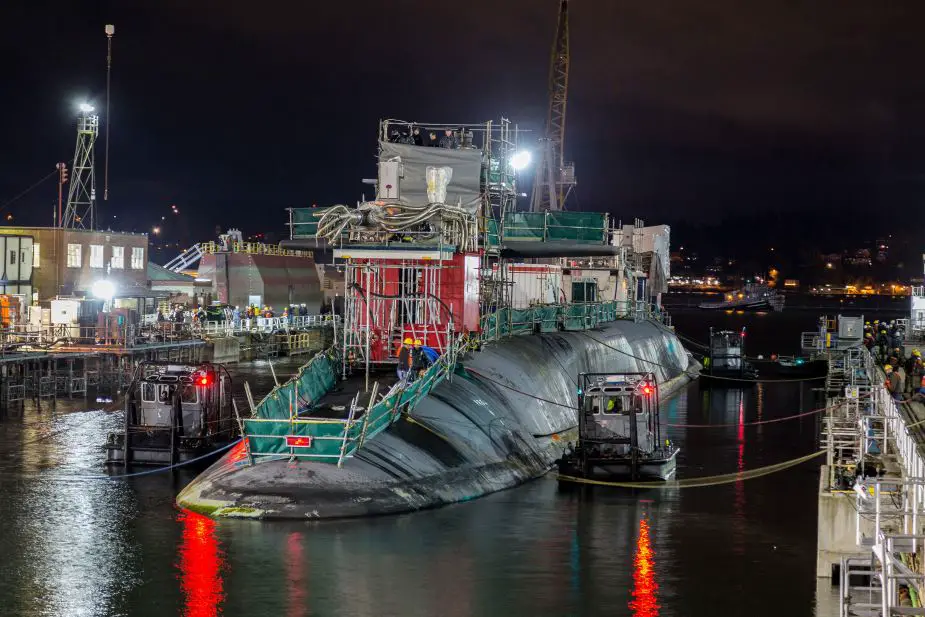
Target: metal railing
(576,316)
(332,439)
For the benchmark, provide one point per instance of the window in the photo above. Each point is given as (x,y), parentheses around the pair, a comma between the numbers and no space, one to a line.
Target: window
(35,255)
(118,258)
(96,255)
(147,392)
(73,255)
(12,258)
(138,258)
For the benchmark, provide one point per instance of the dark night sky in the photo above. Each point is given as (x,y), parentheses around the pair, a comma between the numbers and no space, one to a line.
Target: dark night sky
(786,113)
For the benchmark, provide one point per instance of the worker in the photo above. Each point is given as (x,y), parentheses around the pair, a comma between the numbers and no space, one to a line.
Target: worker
(448,140)
(913,371)
(404,358)
(416,138)
(882,343)
(432,139)
(236,316)
(417,359)
(303,310)
(893,385)
(286,314)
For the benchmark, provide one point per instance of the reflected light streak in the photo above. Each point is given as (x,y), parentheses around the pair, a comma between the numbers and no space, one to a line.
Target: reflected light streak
(200,566)
(295,578)
(645,589)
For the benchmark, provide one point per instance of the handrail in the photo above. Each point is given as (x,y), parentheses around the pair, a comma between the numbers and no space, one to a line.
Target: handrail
(340,438)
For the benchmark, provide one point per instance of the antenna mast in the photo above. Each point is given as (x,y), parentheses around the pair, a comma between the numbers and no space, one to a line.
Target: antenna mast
(81,198)
(554,177)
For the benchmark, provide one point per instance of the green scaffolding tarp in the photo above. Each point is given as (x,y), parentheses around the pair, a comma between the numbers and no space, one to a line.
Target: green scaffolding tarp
(584,227)
(305,221)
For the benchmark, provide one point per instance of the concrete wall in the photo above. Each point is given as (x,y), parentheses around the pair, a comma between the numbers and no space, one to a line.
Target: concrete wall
(836,536)
(223,350)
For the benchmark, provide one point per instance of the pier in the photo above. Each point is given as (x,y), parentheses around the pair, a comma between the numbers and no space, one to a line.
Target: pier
(871,525)
(45,364)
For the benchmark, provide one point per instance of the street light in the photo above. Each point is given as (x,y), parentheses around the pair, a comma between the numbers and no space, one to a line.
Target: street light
(156,230)
(85,107)
(520,160)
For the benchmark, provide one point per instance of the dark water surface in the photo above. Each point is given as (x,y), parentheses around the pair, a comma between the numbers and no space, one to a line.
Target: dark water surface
(76,546)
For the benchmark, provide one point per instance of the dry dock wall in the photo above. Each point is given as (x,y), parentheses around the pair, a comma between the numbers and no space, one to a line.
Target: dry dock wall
(468,437)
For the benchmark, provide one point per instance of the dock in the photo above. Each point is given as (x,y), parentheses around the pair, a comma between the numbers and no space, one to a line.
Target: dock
(871,526)
(73,362)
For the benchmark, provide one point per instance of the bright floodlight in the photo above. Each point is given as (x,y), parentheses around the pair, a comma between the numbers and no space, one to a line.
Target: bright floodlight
(104,290)
(86,107)
(520,160)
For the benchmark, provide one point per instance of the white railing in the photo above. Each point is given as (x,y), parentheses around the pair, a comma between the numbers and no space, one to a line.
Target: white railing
(265,325)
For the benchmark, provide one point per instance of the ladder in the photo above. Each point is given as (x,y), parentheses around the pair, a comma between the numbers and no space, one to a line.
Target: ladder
(185,259)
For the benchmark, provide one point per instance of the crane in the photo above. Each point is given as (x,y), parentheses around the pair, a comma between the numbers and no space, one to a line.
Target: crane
(555,178)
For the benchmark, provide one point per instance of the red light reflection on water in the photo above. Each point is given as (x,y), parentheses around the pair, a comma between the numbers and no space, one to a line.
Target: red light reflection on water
(200,566)
(645,589)
(295,577)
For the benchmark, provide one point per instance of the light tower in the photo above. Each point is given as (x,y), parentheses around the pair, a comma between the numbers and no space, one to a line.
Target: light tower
(81,198)
(554,177)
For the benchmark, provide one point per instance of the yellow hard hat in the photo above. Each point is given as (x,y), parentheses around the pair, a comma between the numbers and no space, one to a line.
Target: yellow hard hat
(887,368)
(916,352)
(407,341)
(417,341)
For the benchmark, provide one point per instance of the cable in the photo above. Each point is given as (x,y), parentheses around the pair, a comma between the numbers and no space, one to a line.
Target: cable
(697,374)
(551,402)
(10,202)
(150,471)
(729,478)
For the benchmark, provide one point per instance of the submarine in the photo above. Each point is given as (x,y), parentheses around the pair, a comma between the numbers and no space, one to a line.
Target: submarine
(513,305)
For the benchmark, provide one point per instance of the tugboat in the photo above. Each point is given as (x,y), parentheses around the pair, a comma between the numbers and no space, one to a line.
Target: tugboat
(752,297)
(726,357)
(619,430)
(173,414)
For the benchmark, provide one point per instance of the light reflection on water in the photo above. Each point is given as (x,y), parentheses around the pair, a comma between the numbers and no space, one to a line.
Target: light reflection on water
(122,548)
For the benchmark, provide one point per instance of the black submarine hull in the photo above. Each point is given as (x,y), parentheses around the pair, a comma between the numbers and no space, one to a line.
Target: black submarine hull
(505,421)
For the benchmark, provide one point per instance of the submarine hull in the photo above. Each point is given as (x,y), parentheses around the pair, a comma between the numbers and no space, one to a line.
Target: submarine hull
(502,420)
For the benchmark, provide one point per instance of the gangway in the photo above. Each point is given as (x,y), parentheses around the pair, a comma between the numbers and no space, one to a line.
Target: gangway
(185,259)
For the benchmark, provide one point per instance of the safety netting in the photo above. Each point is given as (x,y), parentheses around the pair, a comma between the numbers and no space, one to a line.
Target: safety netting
(549,318)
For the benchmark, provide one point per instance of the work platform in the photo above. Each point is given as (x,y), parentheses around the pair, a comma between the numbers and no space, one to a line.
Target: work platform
(871,528)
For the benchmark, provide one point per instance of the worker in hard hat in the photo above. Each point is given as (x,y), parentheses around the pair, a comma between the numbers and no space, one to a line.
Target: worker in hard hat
(914,371)
(404,358)
(417,359)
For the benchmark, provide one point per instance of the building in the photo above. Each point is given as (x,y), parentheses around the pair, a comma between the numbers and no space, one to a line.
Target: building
(67,262)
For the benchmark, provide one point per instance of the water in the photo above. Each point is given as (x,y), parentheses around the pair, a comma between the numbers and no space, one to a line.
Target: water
(85,547)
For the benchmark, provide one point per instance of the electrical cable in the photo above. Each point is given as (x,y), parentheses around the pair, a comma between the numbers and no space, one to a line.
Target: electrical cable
(17,197)
(551,402)
(703,481)
(695,373)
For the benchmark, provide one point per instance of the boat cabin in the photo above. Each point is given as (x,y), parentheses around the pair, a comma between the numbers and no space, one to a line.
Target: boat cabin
(174,412)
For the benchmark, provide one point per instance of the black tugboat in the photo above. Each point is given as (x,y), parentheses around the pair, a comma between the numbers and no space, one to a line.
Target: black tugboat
(726,359)
(619,430)
(174,413)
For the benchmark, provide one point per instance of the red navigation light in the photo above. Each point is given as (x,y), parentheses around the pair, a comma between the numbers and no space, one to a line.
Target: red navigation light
(295,441)
(647,389)
(204,378)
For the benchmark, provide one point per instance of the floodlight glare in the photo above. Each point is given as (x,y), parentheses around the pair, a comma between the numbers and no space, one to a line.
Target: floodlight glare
(104,290)
(520,160)
(86,107)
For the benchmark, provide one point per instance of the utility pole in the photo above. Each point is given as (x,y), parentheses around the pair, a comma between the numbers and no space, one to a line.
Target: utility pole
(62,180)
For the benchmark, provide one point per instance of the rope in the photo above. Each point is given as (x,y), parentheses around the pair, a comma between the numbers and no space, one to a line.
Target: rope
(551,402)
(729,478)
(697,374)
(66,477)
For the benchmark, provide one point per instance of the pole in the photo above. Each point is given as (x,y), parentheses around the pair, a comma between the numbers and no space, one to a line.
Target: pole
(110,30)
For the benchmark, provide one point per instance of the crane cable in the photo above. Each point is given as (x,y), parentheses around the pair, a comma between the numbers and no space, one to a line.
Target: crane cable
(718,480)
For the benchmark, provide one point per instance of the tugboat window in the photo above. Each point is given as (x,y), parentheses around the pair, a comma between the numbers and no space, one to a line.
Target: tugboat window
(147,392)
(188,394)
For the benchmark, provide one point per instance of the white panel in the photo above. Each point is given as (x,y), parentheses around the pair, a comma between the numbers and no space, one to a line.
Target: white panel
(389,180)
(64,311)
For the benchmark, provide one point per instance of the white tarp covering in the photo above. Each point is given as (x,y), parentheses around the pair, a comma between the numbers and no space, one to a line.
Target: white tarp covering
(464,181)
